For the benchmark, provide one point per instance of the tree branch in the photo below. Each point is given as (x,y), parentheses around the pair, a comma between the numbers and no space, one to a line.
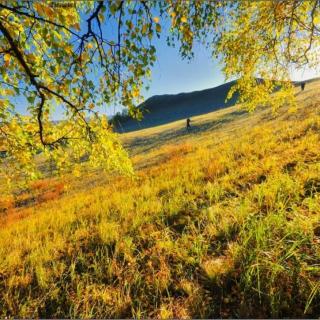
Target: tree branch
(39,87)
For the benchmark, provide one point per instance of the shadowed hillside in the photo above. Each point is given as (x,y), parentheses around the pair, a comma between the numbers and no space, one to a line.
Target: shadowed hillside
(167,108)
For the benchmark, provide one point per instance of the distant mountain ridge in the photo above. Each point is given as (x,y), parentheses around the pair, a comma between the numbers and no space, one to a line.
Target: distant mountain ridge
(161,109)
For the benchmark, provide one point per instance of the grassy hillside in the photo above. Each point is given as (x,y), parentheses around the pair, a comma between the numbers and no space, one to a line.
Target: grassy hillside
(220,222)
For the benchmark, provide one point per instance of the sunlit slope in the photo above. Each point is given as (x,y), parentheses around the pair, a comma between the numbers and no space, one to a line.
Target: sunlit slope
(219,222)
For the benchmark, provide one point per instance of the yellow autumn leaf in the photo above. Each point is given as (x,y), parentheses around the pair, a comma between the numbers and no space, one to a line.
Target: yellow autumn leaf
(76,26)
(43,9)
(6,59)
(89,45)
(183,19)
(85,56)
(156,19)
(48,11)
(31,57)
(158,28)
(68,49)
(144,28)
(9,92)
(76,171)
(104,121)
(29,127)
(39,8)
(173,14)
(135,93)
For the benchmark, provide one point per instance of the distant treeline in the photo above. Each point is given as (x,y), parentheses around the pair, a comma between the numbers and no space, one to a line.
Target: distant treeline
(119,117)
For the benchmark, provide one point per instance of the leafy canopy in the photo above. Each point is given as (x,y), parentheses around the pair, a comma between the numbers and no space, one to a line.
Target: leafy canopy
(62,56)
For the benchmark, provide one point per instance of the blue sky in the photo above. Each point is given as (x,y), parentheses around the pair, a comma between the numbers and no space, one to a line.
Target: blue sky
(171,74)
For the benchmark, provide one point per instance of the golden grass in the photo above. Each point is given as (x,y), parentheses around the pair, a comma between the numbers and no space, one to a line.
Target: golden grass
(222,222)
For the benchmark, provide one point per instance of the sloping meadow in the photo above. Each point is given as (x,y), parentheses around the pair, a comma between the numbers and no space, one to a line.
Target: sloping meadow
(215,227)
